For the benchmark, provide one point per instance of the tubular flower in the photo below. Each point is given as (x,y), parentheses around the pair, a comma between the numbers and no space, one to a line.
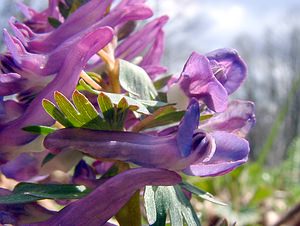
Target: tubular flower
(210,78)
(65,81)
(98,209)
(91,15)
(187,149)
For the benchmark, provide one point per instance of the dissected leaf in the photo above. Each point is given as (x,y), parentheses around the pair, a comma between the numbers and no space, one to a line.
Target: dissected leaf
(68,109)
(136,81)
(168,199)
(55,113)
(200,193)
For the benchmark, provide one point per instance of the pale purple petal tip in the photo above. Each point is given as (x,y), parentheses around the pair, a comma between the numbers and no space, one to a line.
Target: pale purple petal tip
(231,151)
(230,68)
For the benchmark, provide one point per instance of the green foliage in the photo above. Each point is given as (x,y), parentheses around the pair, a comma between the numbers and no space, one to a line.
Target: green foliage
(82,114)
(168,199)
(136,81)
(30,192)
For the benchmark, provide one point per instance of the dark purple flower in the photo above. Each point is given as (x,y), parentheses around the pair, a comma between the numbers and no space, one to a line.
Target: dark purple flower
(106,200)
(187,147)
(209,78)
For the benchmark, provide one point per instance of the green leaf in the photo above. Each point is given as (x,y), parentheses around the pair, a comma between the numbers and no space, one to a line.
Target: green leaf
(30,192)
(165,119)
(116,98)
(85,108)
(55,113)
(68,109)
(200,193)
(162,82)
(106,106)
(42,130)
(54,22)
(136,81)
(168,199)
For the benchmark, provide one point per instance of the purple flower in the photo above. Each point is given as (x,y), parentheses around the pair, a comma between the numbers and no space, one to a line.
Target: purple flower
(38,21)
(91,15)
(106,200)
(22,168)
(65,81)
(238,118)
(209,78)
(150,37)
(187,149)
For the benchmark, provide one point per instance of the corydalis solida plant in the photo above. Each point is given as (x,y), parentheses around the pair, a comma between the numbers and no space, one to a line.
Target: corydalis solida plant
(86,70)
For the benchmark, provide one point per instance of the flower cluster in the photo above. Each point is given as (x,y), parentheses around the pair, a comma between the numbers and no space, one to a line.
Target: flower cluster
(121,132)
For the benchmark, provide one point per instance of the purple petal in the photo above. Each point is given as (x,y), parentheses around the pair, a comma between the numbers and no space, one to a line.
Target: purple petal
(197,80)
(65,82)
(238,118)
(231,151)
(105,201)
(84,174)
(186,128)
(40,64)
(38,21)
(230,67)
(11,83)
(138,41)
(22,168)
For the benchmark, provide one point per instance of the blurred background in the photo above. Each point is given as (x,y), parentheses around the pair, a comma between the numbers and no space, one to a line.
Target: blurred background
(267,36)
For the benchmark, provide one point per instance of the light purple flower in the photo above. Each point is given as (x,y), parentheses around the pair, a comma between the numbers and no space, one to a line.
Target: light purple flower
(150,38)
(238,118)
(38,21)
(106,200)
(65,81)
(89,16)
(210,78)
(188,147)
(228,67)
